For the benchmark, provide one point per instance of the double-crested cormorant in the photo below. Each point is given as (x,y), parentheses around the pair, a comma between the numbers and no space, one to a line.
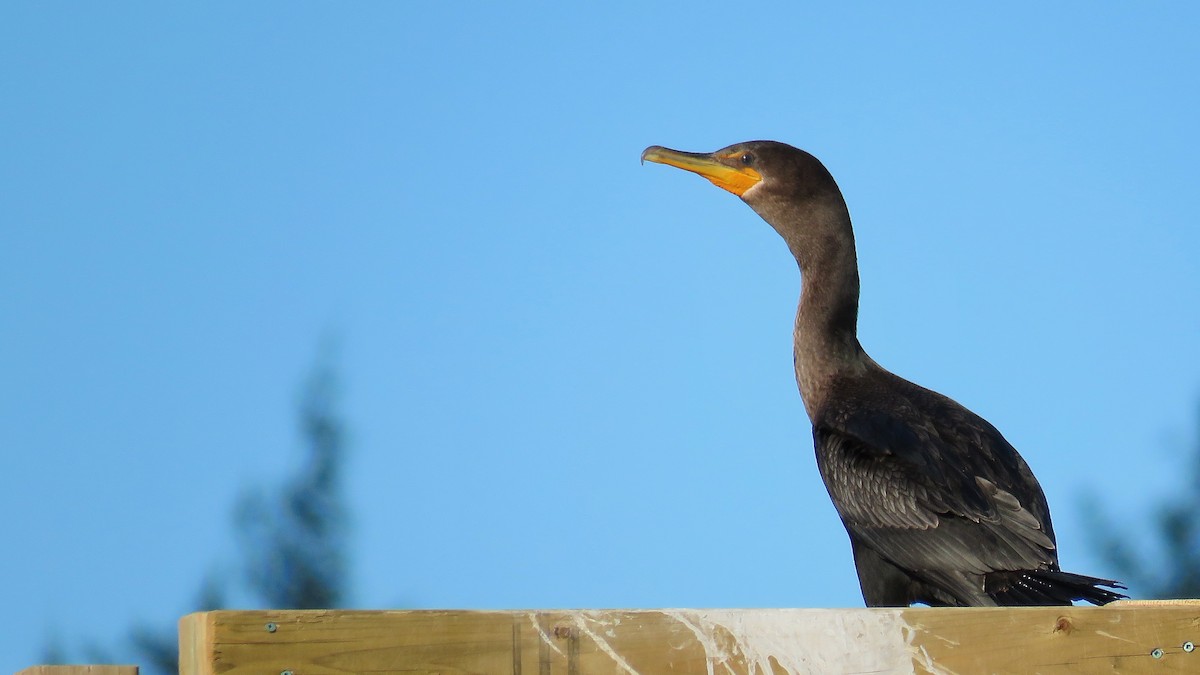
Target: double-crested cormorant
(940,509)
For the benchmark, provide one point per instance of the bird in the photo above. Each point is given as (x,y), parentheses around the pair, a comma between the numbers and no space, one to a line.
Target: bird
(940,509)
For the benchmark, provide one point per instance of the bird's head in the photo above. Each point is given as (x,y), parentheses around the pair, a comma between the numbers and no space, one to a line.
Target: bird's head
(752,170)
(788,187)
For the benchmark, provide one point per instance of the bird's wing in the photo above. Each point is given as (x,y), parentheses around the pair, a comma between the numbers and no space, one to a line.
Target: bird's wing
(929,496)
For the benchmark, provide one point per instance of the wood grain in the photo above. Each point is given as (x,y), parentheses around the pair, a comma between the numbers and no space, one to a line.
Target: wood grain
(1120,638)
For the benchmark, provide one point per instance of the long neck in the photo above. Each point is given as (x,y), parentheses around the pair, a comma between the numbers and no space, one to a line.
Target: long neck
(826,333)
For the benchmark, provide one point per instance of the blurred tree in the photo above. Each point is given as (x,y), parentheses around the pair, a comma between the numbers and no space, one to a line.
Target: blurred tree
(1170,566)
(293,537)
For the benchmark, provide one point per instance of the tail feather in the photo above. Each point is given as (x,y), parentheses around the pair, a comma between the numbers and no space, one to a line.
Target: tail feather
(1050,587)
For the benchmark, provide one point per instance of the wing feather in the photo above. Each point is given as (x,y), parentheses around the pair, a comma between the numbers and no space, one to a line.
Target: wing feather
(933,488)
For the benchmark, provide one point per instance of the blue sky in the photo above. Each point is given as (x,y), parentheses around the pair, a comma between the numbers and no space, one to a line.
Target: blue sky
(567,376)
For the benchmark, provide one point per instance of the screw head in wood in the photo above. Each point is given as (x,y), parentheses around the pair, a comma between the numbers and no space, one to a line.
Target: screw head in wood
(271,627)
(1188,646)
(1157,653)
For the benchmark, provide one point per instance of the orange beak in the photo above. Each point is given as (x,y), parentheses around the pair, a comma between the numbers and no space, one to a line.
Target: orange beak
(735,179)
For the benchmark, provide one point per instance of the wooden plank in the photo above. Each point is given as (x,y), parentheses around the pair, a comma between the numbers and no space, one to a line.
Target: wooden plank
(81,670)
(1115,639)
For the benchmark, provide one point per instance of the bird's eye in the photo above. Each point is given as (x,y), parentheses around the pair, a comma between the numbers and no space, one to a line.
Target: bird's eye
(747,159)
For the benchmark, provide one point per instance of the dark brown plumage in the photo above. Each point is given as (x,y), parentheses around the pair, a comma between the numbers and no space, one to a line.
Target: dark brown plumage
(940,508)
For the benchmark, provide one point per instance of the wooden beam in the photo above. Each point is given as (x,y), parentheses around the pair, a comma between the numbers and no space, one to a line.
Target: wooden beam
(1128,638)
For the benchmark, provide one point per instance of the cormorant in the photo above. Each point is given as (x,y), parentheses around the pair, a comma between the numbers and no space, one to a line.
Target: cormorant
(939,507)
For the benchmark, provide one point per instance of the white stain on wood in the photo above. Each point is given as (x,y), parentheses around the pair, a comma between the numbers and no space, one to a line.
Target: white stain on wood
(542,634)
(581,622)
(1115,637)
(803,641)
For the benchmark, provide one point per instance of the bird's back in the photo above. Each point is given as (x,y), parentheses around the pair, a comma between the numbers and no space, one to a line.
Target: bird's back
(929,487)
